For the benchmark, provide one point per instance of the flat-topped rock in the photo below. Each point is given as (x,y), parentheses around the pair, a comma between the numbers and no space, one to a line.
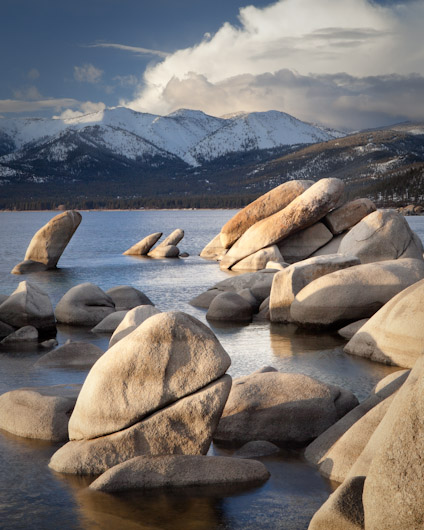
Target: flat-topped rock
(142,247)
(303,244)
(28,305)
(269,203)
(353,293)
(84,305)
(132,319)
(49,242)
(147,472)
(395,334)
(291,280)
(39,412)
(380,236)
(77,355)
(126,297)
(304,211)
(348,215)
(167,357)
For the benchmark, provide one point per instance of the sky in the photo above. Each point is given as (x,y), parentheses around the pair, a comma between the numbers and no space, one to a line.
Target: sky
(347,64)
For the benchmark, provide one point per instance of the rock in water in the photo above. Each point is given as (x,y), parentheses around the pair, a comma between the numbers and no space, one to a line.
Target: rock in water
(304,211)
(28,305)
(132,319)
(395,334)
(110,323)
(165,251)
(166,358)
(142,247)
(259,259)
(50,241)
(25,334)
(72,355)
(266,205)
(214,249)
(173,239)
(126,297)
(230,306)
(84,305)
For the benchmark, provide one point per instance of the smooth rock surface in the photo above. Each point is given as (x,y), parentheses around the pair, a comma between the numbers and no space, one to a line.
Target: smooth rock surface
(185,427)
(132,319)
(259,259)
(301,245)
(126,297)
(266,205)
(287,283)
(281,408)
(204,300)
(380,236)
(142,247)
(347,332)
(348,215)
(50,241)
(395,334)
(27,266)
(332,247)
(25,334)
(214,249)
(258,282)
(354,293)
(256,449)
(28,305)
(304,211)
(173,239)
(40,412)
(110,323)
(165,251)
(173,471)
(167,357)
(72,355)
(229,306)
(84,305)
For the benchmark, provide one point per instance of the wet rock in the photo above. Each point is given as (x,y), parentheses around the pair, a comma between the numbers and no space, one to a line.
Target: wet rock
(126,297)
(84,305)
(132,319)
(142,247)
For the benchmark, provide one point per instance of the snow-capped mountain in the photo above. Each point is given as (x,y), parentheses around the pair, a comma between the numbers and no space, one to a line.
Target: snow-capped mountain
(126,140)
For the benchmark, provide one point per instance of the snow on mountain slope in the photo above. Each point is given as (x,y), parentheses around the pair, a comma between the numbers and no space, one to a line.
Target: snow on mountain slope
(258,130)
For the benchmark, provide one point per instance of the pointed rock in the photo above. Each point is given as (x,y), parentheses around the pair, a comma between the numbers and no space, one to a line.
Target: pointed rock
(142,247)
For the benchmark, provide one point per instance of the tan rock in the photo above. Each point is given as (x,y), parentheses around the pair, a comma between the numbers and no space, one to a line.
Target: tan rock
(229,306)
(173,239)
(214,249)
(382,235)
(40,412)
(126,297)
(353,293)
(348,215)
(132,319)
(347,332)
(142,247)
(395,334)
(304,211)
(265,206)
(110,323)
(147,472)
(164,251)
(185,427)
(84,305)
(50,241)
(259,259)
(278,266)
(330,248)
(167,357)
(301,245)
(293,279)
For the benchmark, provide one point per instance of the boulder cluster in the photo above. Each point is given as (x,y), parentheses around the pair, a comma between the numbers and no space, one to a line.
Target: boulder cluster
(166,249)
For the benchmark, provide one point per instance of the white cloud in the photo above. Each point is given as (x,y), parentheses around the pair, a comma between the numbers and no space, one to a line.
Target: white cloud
(87,107)
(289,55)
(133,49)
(87,73)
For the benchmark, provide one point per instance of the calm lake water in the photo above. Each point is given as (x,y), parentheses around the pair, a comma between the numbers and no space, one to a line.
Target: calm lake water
(32,496)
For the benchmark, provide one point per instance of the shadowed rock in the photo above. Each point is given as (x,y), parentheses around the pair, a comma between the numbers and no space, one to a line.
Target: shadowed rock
(126,297)
(110,323)
(259,259)
(142,247)
(348,215)
(214,249)
(230,306)
(72,355)
(301,245)
(25,334)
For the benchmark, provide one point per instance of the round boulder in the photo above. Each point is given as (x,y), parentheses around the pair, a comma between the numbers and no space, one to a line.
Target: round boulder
(230,306)
(84,305)
(131,320)
(72,355)
(126,297)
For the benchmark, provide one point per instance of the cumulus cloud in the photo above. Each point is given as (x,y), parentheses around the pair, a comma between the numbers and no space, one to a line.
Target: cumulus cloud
(87,107)
(87,73)
(289,56)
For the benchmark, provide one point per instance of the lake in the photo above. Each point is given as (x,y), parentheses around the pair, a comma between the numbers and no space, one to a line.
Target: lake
(33,496)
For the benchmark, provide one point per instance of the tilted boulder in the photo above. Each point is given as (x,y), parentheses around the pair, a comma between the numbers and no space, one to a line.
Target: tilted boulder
(110,323)
(173,239)
(380,236)
(142,247)
(332,247)
(84,305)
(303,244)
(304,211)
(266,205)
(353,293)
(214,249)
(282,408)
(132,319)
(39,412)
(395,334)
(348,215)
(288,282)
(126,297)
(164,359)
(50,241)
(147,472)
(28,305)
(259,259)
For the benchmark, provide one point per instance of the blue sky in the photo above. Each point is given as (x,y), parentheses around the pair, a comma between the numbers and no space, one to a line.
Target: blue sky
(344,63)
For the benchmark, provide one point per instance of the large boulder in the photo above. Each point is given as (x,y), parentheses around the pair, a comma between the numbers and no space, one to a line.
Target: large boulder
(332,247)
(173,239)
(259,283)
(288,282)
(204,300)
(142,247)
(266,205)
(40,412)
(171,471)
(348,215)
(282,408)
(28,305)
(72,355)
(303,244)
(214,249)
(395,334)
(229,306)
(184,427)
(382,235)
(164,359)
(84,305)
(126,297)
(132,319)
(353,293)
(50,241)
(259,259)
(304,211)
(110,323)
